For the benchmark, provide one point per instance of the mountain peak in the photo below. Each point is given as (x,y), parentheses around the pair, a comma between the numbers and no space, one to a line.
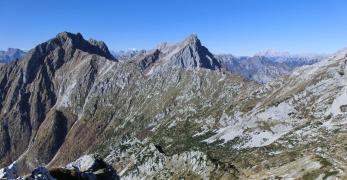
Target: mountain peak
(192,39)
(73,41)
(100,44)
(272,53)
(66,34)
(13,49)
(190,54)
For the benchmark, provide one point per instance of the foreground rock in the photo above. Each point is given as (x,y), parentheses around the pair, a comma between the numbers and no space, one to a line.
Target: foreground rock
(88,167)
(40,173)
(9,172)
(91,166)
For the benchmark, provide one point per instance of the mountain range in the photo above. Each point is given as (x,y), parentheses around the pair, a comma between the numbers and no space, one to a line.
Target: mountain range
(176,111)
(264,68)
(123,55)
(11,54)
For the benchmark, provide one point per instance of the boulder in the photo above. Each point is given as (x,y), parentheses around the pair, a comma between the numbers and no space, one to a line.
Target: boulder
(9,172)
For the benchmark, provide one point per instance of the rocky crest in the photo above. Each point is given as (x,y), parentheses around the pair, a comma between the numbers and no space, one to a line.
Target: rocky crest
(190,54)
(88,167)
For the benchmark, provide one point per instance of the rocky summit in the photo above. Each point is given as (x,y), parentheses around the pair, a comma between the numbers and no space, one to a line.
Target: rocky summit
(69,109)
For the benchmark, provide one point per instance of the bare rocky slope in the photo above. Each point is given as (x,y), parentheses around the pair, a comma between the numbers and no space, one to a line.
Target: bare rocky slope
(170,112)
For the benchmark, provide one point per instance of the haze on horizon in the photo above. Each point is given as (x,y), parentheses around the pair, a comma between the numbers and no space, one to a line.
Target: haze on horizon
(238,27)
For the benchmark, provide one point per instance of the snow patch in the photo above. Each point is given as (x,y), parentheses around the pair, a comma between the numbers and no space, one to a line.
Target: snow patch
(264,138)
(226,133)
(204,131)
(173,124)
(280,112)
(150,72)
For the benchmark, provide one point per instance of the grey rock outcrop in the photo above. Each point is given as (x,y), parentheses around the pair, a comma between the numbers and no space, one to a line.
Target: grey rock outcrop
(9,172)
(190,54)
(149,59)
(40,173)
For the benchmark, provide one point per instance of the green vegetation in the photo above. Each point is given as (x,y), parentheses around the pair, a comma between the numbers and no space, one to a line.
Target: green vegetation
(324,162)
(330,173)
(311,175)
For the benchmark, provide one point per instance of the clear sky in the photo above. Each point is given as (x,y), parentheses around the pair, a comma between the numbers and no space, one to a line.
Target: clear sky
(240,27)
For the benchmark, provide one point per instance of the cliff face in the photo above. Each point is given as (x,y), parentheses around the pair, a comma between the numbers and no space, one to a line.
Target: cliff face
(29,90)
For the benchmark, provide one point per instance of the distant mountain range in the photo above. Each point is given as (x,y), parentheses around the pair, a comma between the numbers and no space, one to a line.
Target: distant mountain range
(266,67)
(11,54)
(122,55)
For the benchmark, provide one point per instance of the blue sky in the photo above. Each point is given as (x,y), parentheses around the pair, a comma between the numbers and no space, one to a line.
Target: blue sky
(240,27)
